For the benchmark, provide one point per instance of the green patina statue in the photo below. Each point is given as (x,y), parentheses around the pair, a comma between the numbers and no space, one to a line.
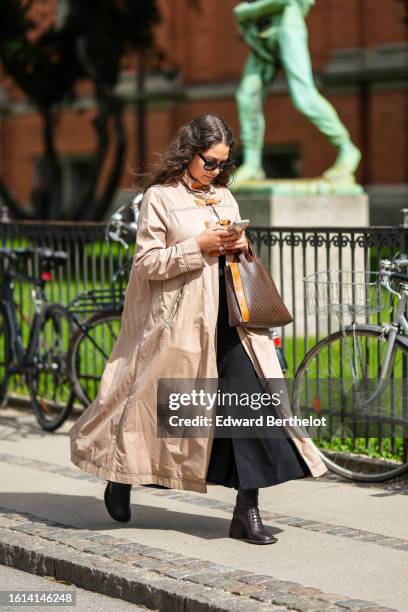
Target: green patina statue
(276,33)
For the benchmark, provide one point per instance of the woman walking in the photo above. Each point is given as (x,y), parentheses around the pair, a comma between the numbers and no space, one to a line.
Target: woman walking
(175,325)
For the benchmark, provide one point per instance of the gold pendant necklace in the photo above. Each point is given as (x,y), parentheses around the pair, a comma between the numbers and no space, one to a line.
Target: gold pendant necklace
(206,197)
(208,202)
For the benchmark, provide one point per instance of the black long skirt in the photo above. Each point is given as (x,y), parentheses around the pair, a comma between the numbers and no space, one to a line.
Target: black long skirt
(247,463)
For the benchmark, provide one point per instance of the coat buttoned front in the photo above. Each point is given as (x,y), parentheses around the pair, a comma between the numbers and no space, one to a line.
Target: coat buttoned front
(168,330)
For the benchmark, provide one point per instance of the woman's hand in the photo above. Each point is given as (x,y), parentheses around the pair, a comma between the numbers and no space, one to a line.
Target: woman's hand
(236,242)
(213,238)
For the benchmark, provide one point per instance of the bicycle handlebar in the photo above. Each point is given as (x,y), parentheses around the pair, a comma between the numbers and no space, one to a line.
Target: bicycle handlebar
(399,276)
(117,226)
(386,276)
(395,263)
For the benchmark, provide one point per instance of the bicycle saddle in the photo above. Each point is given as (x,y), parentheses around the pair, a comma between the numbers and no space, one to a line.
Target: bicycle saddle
(55,258)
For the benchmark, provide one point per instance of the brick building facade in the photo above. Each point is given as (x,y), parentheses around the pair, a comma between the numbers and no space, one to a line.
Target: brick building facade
(359,52)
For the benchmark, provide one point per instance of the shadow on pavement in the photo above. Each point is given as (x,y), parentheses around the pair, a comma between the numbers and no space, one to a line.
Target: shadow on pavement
(85,512)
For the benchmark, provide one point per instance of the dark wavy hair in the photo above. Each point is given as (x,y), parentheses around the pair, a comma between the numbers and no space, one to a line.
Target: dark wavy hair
(200,134)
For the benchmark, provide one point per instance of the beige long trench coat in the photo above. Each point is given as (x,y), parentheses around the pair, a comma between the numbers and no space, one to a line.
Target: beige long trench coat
(168,330)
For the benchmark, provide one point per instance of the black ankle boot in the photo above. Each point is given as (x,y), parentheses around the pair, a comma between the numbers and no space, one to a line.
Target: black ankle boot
(117,501)
(246,522)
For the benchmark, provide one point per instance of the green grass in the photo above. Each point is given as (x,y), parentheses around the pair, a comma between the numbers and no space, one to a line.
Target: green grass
(383,448)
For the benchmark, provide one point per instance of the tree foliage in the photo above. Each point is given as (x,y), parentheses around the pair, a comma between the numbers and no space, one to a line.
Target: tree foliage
(89,43)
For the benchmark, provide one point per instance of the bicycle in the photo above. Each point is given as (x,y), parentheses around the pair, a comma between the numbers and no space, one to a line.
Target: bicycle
(357,376)
(42,363)
(94,338)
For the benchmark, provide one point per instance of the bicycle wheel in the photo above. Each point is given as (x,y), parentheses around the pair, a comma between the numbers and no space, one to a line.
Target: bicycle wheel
(5,355)
(48,381)
(89,351)
(360,441)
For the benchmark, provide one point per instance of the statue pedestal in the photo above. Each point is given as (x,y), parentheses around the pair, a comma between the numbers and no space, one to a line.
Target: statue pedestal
(304,211)
(293,255)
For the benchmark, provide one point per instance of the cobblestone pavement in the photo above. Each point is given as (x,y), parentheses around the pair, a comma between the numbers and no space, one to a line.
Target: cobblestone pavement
(177,495)
(28,586)
(342,545)
(150,575)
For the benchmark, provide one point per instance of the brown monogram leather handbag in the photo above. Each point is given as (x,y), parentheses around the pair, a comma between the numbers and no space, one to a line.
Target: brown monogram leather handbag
(252,297)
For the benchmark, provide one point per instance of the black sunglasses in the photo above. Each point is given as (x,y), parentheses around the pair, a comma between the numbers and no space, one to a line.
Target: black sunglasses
(210,164)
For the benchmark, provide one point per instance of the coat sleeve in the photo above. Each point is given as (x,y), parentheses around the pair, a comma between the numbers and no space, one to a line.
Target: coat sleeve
(153,258)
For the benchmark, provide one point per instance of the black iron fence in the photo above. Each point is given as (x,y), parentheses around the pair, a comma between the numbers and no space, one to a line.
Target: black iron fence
(294,253)
(290,253)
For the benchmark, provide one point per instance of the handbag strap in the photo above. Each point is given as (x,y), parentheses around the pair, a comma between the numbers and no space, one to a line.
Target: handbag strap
(237,281)
(239,291)
(251,252)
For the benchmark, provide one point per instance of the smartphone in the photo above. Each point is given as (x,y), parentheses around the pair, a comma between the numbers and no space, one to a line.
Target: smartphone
(239,225)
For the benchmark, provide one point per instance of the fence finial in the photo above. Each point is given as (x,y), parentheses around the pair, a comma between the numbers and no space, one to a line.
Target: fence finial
(404,217)
(4,214)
